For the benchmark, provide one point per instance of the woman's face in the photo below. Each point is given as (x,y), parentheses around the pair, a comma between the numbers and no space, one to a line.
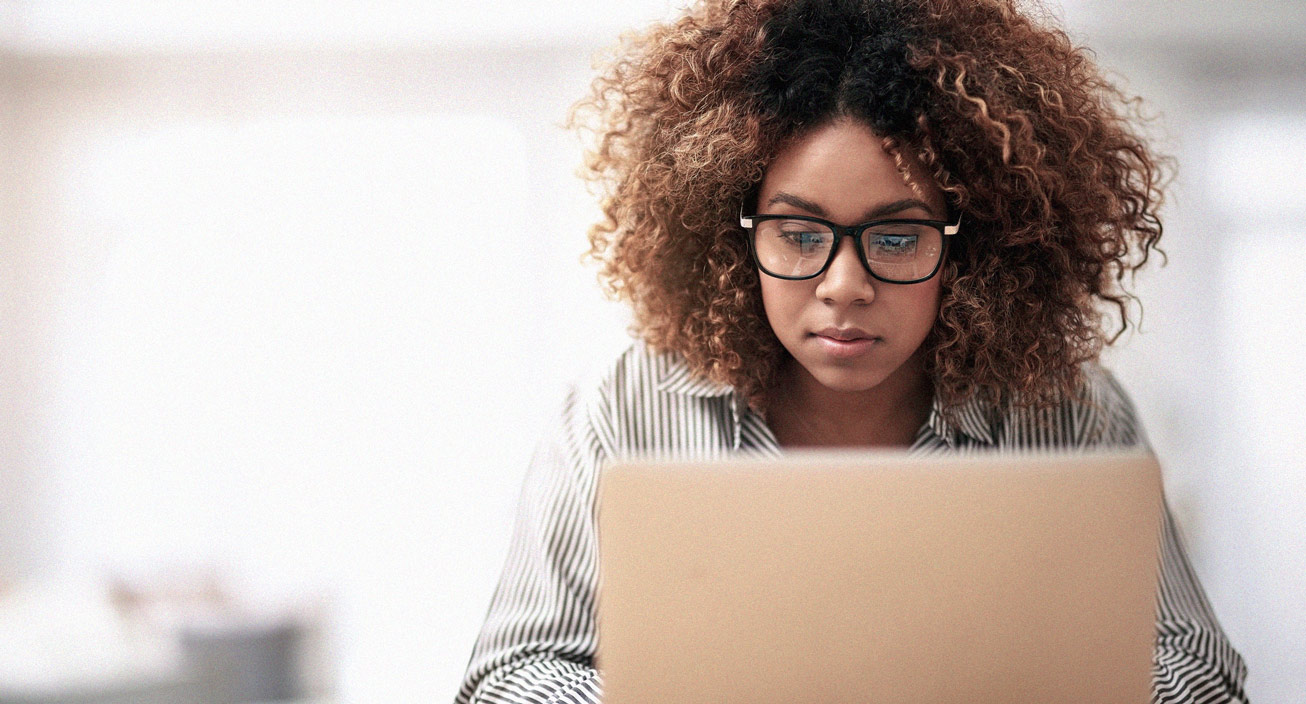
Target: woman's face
(840,172)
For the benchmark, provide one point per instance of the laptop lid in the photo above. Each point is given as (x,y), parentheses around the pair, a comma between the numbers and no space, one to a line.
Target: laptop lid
(856,577)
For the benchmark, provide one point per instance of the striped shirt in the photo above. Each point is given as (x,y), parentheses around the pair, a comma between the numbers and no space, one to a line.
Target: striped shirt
(538,641)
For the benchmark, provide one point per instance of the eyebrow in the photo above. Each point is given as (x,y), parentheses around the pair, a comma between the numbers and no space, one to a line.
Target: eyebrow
(878,211)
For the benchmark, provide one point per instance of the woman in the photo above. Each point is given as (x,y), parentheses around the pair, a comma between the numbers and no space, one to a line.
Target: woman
(868,223)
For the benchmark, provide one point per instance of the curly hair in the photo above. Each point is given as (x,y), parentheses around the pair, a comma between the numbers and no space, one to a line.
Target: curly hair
(1024,135)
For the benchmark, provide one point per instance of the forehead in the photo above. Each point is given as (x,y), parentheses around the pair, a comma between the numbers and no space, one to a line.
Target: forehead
(844,168)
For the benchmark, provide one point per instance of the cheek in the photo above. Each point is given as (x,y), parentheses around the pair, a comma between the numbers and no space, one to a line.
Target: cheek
(924,303)
(782,301)
(909,310)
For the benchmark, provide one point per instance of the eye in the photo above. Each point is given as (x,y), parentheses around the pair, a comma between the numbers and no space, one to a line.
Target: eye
(804,238)
(896,242)
(903,245)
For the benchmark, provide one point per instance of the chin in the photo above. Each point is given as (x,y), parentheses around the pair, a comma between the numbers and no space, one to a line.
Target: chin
(848,379)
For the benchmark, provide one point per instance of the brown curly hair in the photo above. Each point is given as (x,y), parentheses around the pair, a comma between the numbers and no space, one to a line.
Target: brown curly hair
(1039,152)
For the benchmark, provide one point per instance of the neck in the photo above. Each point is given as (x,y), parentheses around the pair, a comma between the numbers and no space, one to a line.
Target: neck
(804,413)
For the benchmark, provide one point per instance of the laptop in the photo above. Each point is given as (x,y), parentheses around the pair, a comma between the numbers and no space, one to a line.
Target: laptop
(878,577)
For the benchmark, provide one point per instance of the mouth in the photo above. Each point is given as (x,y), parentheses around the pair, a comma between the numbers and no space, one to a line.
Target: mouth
(845,343)
(846,335)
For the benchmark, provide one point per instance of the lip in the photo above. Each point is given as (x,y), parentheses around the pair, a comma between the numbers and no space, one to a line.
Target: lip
(848,334)
(844,343)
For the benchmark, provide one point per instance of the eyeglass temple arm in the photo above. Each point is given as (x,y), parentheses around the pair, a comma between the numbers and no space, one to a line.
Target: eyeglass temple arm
(948,230)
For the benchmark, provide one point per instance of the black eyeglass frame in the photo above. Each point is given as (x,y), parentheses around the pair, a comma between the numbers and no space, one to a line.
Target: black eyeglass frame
(948,230)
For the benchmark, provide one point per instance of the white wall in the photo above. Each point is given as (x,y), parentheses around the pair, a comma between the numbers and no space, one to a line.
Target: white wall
(233,335)
(300,319)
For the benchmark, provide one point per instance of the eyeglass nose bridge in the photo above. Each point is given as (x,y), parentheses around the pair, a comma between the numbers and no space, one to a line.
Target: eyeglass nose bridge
(854,233)
(859,252)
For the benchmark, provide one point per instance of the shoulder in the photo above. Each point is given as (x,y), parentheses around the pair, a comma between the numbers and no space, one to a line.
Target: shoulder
(1109,413)
(632,378)
(1098,415)
(647,400)
(590,424)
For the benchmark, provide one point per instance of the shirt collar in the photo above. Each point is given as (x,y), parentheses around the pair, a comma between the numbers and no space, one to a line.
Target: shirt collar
(675,377)
(971,418)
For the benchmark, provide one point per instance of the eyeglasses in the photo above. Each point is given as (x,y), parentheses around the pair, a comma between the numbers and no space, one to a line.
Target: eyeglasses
(798,247)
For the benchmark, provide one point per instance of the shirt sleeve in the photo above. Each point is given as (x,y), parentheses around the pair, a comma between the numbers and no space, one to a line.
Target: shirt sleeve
(537,644)
(1193,662)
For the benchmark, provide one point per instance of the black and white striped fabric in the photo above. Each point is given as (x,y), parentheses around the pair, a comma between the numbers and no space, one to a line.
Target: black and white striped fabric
(538,641)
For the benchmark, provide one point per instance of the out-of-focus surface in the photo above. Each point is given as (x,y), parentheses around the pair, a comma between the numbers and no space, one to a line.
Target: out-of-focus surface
(289,291)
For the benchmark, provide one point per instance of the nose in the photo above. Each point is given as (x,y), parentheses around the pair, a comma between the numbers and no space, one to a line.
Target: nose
(846,281)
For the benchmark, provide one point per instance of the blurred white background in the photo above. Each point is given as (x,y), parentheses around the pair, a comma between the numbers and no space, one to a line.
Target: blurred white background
(290,288)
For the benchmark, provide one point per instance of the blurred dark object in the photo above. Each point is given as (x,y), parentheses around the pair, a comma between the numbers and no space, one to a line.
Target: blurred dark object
(246,663)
